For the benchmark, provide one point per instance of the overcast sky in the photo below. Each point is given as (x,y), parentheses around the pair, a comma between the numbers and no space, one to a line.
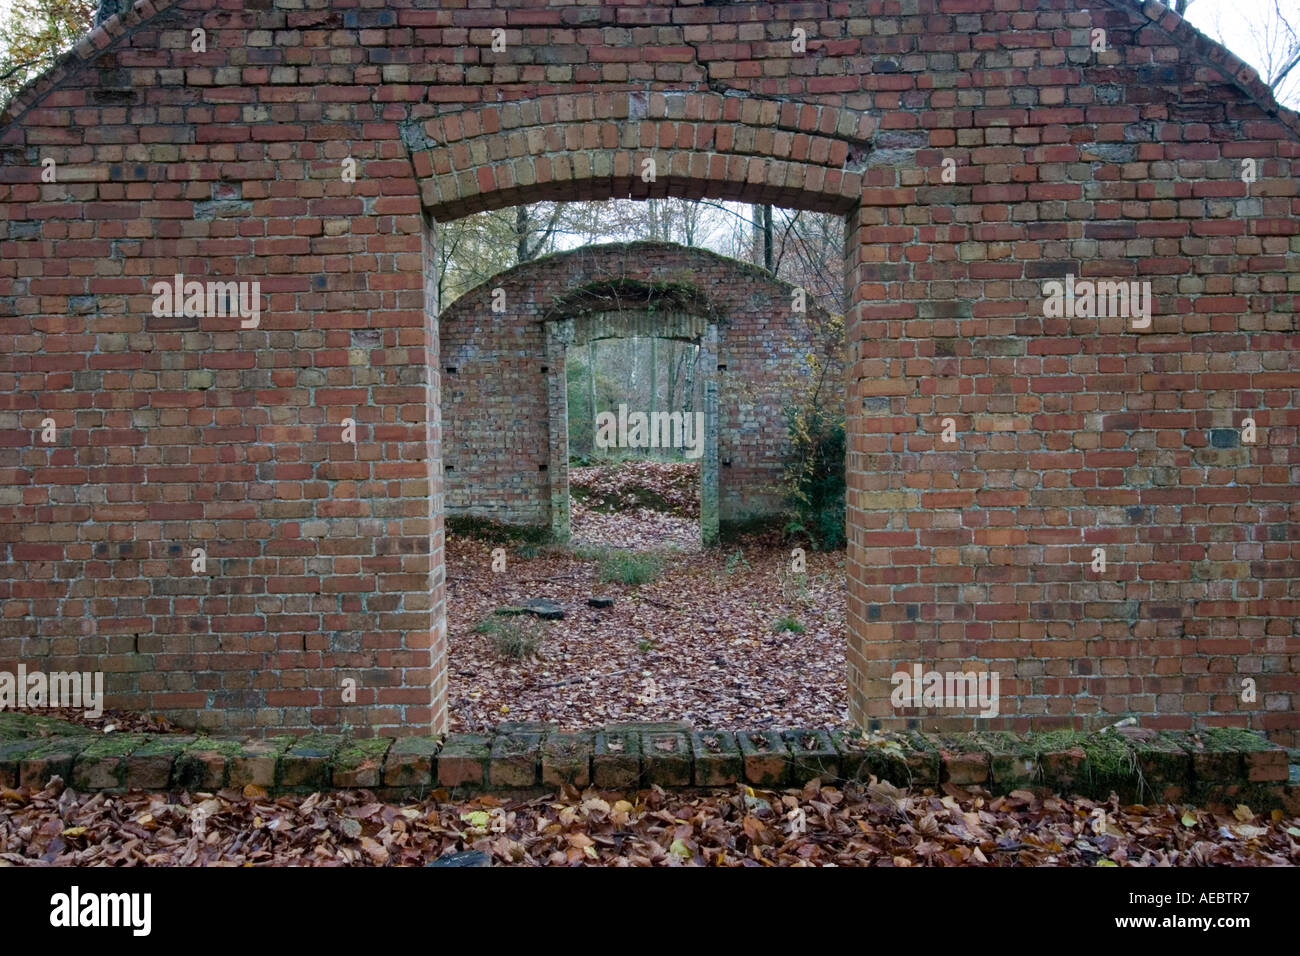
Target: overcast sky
(1236,23)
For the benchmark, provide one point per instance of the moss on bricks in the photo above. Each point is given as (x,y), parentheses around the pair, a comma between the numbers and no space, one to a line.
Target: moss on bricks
(717,759)
(666,758)
(306,765)
(812,756)
(1165,767)
(902,758)
(360,763)
(32,761)
(149,766)
(566,758)
(12,753)
(54,758)
(410,762)
(463,760)
(738,529)
(14,725)
(256,760)
(852,747)
(616,759)
(202,765)
(1013,762)
(767,758)
(1231,765)
(1235,739)
(101,765)
(1112,765)
(497,532)
(515,760)
(964,762)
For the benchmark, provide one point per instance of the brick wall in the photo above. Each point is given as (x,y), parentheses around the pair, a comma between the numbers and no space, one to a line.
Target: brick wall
(1121,162)
(494,405)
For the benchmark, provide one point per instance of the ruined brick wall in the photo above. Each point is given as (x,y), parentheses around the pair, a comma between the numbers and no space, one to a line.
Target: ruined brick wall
(1147,154)
(494,402)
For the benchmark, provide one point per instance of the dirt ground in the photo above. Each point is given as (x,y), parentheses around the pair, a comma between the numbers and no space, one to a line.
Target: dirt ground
(723,638)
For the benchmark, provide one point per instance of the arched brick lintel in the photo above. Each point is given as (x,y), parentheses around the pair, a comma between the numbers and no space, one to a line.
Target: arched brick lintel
(594,146)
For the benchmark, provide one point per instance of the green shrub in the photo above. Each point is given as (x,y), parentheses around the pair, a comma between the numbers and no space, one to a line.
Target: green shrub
(514,637)
(788,624)
(629,567)
(814,476)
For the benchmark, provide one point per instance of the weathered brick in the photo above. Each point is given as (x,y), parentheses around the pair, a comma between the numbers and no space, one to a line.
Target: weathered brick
(718,761)
(515,759)
(307,763)
(566,759)
(616,760)
(463,760)
(255,761)
(411,762)
(766,757)
(666,758)
(203,765)
(812,755)
(360,763)
(149,765)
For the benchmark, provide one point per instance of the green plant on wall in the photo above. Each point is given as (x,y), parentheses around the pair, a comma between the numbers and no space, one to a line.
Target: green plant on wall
(814,481)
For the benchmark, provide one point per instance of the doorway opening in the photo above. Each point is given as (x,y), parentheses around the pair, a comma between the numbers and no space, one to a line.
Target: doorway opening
(636,439)
(620,613)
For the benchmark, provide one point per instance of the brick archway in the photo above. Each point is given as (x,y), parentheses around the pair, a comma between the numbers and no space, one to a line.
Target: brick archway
(503,371)
(596,145)
(1122,162)
(565,333)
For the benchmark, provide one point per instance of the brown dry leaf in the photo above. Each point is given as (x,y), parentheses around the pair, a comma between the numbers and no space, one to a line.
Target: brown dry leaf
(854,826)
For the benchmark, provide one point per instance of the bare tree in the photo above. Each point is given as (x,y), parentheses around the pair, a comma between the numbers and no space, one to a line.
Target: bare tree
(1273,47)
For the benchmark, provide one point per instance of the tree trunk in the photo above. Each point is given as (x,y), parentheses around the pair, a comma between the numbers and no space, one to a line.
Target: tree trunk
(654,373)
(769,258)
(591,394)
(688,396)
(654,380)
(675,348)
(521,234)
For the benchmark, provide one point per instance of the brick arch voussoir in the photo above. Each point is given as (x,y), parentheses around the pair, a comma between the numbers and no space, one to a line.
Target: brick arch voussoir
(593,146)
(571,268)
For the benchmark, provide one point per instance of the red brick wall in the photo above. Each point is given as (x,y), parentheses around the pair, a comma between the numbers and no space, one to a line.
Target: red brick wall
(494,406)
(325,558)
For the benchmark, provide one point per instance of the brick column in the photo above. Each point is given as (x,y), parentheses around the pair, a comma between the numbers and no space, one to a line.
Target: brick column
(885,551)
(558,336)
(709,460)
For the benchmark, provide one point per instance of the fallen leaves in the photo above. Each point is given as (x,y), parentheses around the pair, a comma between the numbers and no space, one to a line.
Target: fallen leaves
(695,644)
(668,487)
(875,825)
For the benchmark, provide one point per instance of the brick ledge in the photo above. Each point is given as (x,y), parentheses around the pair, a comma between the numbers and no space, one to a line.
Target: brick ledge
(1214,767)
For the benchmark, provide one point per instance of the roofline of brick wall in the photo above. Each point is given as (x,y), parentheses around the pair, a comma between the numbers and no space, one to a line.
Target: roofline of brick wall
(1211,53)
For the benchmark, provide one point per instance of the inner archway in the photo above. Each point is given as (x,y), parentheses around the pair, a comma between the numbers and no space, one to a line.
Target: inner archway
(505,392)
(617,311)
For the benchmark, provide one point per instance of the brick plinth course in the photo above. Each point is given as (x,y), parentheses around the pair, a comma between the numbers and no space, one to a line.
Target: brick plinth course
(1219,767)
(977,150)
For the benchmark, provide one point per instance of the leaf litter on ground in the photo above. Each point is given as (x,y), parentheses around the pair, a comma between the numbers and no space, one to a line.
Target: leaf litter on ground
(871,824)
